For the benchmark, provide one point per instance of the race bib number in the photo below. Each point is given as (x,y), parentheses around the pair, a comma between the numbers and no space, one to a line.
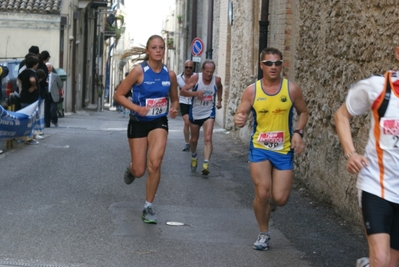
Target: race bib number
(206,100)
(157,106)
(389,133)
(272,140)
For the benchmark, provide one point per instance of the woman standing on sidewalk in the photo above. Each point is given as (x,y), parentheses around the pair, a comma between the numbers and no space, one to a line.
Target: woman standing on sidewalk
(151,84)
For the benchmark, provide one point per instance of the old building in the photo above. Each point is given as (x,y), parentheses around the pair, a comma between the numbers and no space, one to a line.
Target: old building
(326,47)
(74,32)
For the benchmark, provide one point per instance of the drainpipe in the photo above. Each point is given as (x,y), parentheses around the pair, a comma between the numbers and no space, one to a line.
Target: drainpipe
(210,30)
(85,56)
(194,11)
(74,32)
(263,27)
(96,49)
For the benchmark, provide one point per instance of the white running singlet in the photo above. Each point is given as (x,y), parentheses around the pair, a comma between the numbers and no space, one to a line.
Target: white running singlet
(381,177)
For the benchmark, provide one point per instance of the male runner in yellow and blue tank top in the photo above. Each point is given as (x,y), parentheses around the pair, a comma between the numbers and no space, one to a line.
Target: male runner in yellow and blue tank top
(274,140)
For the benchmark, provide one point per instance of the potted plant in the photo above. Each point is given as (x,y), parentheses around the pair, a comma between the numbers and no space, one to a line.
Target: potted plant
(180,19)
(170,43)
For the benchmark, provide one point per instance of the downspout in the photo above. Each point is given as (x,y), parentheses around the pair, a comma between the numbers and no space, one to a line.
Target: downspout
(263,31)
(194,11)
(210,30)
(93,62)
(74,32)
(85,56)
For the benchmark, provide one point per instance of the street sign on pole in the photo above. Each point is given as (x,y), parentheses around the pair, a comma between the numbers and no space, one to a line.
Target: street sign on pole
(196,59)
(197,47)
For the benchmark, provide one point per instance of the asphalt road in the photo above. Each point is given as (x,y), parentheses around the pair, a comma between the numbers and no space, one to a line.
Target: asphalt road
(64,203)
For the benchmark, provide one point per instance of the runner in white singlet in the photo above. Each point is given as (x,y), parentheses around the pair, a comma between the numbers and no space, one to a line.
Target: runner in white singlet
(378,168)
(203,88)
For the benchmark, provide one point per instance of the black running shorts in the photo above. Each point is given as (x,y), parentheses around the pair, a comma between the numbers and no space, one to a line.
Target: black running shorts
(139,129)
(381,216)
(184,109)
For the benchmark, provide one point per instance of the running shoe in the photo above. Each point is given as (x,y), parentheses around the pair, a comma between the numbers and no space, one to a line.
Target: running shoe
(205,168)
(262,243)
(194,163)
(363,262)
(149,215)
(31,142)
(186,147)
(128,177)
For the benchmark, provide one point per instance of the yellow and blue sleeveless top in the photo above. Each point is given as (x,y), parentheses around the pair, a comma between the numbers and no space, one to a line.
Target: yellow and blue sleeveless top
(273,114)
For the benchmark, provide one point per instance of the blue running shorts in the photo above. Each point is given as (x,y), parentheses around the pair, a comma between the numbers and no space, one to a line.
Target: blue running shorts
(279,161)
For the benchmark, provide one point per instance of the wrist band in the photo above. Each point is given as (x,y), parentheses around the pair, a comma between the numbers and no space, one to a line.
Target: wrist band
(350,154)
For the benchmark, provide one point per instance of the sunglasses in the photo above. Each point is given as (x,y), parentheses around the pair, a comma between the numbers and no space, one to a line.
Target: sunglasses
(270,63)
(188,67)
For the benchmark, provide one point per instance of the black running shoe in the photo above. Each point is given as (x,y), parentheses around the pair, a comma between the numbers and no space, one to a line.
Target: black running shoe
(128,177)
(149,215)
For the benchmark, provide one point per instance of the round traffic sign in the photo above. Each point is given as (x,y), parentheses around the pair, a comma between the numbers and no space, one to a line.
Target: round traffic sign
(197,47)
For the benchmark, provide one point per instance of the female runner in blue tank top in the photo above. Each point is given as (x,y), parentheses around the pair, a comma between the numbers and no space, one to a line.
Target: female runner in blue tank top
(151,83)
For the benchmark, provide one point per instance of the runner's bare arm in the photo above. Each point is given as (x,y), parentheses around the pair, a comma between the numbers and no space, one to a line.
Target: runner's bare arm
(135,76)
(186,90)
(300,106)
(173,94)
(219,92)
(241,116)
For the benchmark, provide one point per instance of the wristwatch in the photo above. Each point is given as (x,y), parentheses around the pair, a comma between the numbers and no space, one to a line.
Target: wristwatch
(299,131)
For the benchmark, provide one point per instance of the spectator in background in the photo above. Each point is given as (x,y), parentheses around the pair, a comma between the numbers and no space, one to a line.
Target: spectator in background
(44,87)
(3,73)
(32,50)
(29,87)
(40,75)
(55,86)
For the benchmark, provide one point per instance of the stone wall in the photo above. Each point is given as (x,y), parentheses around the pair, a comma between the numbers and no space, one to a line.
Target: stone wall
(327,46)
(339,43)
(243,57)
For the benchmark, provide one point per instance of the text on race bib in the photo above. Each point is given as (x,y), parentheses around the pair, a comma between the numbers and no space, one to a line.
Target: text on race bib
(157,106)
(272,140)
(389,133)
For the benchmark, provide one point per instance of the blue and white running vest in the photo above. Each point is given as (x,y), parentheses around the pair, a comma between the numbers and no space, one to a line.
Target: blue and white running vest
(152,92)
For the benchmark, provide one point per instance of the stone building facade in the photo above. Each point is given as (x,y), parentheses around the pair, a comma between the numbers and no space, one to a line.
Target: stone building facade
(326,46)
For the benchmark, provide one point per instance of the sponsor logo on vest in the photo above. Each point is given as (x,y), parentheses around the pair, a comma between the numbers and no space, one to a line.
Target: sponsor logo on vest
(279,111)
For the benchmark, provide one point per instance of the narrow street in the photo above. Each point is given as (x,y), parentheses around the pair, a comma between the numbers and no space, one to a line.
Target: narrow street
(64,203)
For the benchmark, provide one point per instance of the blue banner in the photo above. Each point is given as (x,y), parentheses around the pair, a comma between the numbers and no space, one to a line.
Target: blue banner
(24,122)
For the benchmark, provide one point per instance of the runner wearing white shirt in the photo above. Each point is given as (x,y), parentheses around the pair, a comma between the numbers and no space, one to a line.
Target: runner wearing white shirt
(203,87)
(378,168)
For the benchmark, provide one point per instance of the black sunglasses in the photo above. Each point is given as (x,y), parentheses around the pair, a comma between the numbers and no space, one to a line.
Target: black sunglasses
(188,67)
(270,63)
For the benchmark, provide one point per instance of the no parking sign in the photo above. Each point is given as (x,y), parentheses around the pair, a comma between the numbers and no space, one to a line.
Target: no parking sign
(197,47)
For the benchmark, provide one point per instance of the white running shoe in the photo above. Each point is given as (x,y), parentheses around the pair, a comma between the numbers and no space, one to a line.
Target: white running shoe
(363,262)
(262,243)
